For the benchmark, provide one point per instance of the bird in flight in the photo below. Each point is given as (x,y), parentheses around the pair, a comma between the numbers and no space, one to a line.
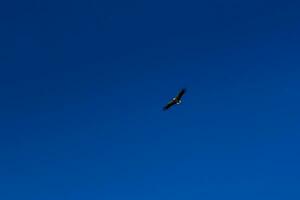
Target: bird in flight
(176,100)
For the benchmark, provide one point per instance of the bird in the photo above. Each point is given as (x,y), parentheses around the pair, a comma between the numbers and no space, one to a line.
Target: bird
(176,100)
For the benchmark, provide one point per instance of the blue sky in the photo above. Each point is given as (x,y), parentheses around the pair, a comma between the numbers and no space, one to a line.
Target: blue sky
(83,83)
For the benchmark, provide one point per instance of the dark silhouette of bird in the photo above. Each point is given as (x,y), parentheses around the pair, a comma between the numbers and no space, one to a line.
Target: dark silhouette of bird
(176,100)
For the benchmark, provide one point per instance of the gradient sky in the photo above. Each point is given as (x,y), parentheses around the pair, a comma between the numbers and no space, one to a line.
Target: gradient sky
(83,83)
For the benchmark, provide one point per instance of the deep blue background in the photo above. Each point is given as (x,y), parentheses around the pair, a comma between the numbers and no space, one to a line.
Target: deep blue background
(83,82)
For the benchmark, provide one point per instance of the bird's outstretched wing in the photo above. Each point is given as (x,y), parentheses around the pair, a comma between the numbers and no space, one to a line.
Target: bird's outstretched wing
(170,104)
(181,93)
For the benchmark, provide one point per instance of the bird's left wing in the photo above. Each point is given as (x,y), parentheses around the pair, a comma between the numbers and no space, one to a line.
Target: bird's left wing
(170,104)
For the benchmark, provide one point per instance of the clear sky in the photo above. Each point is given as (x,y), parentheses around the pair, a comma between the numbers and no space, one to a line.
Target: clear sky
(83,83)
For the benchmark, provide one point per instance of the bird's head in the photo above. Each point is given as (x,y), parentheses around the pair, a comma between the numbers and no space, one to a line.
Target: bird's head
(178,102)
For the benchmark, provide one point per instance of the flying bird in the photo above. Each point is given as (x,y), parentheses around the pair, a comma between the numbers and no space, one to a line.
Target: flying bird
(176,100)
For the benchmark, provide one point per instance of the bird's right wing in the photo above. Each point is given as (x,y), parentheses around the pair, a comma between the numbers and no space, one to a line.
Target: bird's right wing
(181,93)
